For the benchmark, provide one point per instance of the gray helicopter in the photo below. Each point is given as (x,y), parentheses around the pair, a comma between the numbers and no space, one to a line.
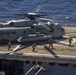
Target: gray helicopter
(32,26)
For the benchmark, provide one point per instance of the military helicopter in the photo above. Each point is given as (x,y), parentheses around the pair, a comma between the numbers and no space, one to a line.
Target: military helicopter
(39,31)
(32,26)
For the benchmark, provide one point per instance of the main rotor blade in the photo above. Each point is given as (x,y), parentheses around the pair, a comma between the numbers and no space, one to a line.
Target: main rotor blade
(38,8)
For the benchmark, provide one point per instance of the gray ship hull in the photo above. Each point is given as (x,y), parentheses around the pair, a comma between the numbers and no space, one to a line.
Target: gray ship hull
(52,70)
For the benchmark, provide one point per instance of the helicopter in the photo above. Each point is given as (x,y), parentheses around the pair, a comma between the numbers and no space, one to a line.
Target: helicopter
(33,23)
(38,31)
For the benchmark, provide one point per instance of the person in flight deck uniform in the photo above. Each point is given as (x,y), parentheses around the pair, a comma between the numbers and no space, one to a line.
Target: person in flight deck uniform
(51,43)
(33,47)
(9,45)
(70,41)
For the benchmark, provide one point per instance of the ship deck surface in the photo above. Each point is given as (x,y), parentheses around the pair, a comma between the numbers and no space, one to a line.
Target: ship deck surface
(61,47)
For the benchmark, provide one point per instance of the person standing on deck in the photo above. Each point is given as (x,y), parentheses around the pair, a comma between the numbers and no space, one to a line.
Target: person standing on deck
(33,47)
(70,41)
(51,43)
(9,45)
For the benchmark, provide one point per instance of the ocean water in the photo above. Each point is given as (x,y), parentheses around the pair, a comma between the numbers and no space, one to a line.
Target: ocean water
(61,11)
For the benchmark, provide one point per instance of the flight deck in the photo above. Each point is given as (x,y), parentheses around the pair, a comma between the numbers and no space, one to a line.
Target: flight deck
(42,52)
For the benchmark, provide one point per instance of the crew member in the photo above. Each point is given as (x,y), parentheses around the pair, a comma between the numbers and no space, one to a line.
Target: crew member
(70,41)
(51,43)
(33,47)
(9,45)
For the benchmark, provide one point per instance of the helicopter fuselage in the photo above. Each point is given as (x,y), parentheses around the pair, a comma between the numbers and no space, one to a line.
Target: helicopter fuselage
(12,30)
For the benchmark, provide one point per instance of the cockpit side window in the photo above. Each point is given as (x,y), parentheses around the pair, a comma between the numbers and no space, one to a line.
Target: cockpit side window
(52,30)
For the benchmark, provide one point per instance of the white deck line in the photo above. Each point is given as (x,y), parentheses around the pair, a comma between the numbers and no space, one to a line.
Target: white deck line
(49,55)
(67,42)
(12,52)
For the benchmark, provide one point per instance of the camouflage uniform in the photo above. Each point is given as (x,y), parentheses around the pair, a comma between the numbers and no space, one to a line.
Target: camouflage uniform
(33,47)
(9,45)
(51,43)
(70,41)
